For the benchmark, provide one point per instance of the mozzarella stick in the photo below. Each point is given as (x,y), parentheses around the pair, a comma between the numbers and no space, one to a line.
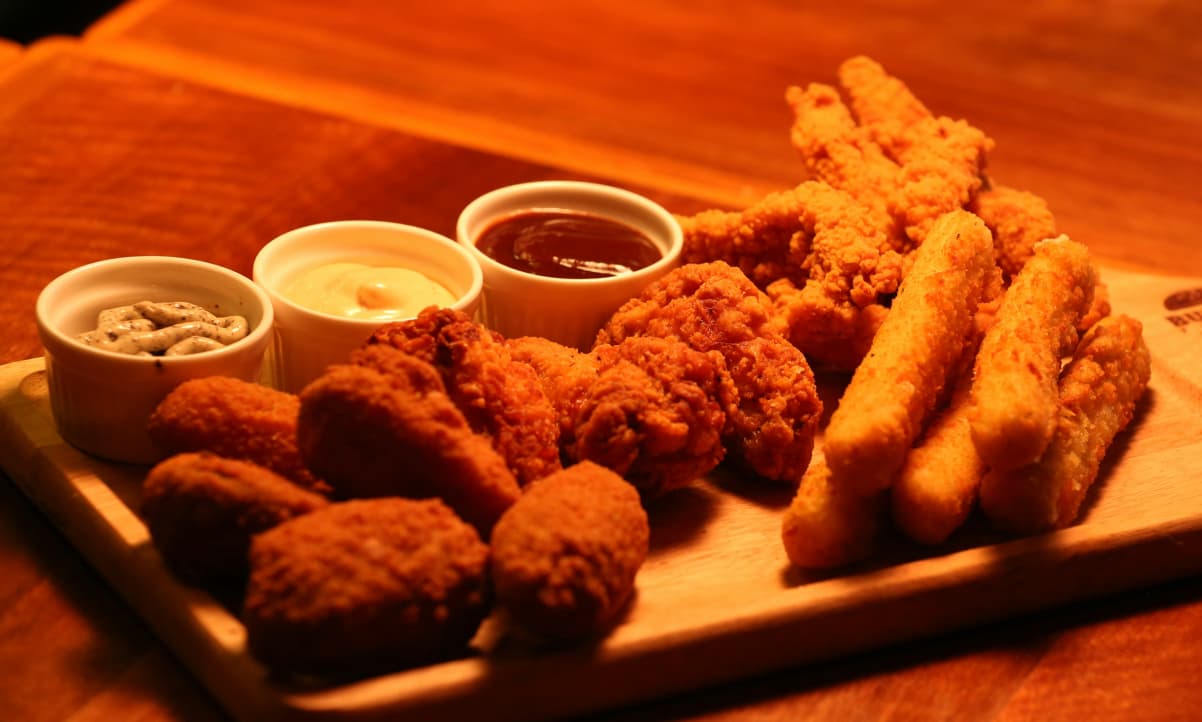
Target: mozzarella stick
(1098,393)
(937,487)
(827,527)
(912,355)
(1014,393)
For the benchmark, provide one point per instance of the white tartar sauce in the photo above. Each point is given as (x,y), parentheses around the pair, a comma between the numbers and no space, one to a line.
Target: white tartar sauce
(360,290)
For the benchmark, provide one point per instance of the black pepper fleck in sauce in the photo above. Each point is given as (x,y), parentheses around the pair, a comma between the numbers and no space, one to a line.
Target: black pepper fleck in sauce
(567,244)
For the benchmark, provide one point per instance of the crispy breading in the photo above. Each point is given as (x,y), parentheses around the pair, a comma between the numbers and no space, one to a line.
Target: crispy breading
(651,409)
(373,433)
(565,556)
(1098,393)
(202,510)
(896,387)
(828,526)
(715,307)
(1018,220)
(498,397)
(1014,394)
(937,486)
(236,419)
(363,586)
(940,161)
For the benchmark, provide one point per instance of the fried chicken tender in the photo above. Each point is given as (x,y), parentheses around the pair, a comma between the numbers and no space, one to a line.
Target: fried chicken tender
(1018,220)
(1014,392)
(384,426)
(235,419)
(202,510)
(898,384)
(365,585)
(1099,391)
(829,526)
(715,307)
(822,258)
(498,396)
(650,409)
(565,556)
(923,166)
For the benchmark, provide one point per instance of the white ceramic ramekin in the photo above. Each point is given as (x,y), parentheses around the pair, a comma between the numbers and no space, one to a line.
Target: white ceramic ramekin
(101,399)
(307,341)
(569,311)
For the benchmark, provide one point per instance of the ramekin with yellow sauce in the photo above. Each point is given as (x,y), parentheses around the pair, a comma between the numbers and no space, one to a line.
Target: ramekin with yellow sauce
(333,284)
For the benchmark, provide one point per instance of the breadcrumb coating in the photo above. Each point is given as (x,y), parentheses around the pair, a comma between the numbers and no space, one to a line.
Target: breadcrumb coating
(364,585)
(202,510)
(498,396)
(715,307)
(1099,392)
(235,419)
(384,426)
(565,557)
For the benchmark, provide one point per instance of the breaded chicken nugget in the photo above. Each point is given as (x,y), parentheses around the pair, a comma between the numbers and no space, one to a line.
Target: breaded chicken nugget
(364,585)
(1098,394)
(714,307)
(396,433)
(235,419)
(498,396)
(892,392)
(1014,393)
(650,409)
(565,557)
(202,509)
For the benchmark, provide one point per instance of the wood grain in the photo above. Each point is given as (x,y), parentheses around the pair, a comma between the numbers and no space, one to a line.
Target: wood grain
(716,590)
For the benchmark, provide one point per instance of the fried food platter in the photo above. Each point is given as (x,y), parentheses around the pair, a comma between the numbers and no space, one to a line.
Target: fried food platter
(716,599)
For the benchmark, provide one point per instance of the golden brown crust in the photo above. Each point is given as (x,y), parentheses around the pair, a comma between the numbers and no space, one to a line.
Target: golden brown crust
(236,419)
(1014,393)
(498,396)
(363,585)
(912,357)
(565,557)
(202,509)
(379,434)
(715,307)
(1098,393)
(1018,220)
(653,410)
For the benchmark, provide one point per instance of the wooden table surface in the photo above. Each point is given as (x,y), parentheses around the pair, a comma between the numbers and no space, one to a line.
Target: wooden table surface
(205,127)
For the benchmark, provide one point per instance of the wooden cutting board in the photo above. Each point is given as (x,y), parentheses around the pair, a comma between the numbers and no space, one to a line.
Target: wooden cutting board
(716,599)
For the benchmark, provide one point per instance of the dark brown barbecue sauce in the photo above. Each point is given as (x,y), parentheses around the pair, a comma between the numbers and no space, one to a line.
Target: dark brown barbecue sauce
(567,244)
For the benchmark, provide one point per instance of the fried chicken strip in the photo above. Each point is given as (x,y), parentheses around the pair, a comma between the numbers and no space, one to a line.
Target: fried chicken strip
(824,260)
(1018,220)
(899,382)
(1099,391)
(715,307)
(1014,394)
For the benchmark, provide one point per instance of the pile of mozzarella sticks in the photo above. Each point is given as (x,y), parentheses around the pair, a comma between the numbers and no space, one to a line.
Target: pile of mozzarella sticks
(972,393)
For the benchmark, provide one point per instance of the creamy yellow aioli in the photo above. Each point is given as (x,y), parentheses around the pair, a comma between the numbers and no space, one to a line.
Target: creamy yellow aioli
(359,290)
